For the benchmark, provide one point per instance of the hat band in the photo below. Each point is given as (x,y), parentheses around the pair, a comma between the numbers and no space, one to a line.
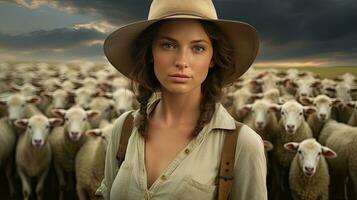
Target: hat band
(181,14)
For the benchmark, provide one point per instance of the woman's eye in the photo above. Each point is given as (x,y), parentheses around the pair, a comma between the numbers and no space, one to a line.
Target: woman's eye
(198,48)
(168,46)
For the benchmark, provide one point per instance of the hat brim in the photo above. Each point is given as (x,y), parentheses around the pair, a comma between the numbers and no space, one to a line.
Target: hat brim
(242,36)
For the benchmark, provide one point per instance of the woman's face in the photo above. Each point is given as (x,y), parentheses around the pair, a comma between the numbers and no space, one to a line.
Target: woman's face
(182,53)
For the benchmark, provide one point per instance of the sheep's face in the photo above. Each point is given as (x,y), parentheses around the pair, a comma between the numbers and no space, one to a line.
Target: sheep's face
(292,115)
(261,113)
(309,153)
(104,105)
(83,97)
(323,105)
(305,86)
(76,121)
(60,99)
(124,100)
(16,105)
(38,127)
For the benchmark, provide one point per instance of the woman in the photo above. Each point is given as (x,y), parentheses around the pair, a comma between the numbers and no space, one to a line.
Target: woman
(184,52)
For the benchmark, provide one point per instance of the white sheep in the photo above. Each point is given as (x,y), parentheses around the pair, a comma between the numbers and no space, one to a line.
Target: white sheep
(66,141)
(309,177)
(33,152)
(90,162)
(342,138)
(323,105)
(83,96)
(106,108)
(262,119)
(240,98)
(20,106)
(292,128)
(60,99)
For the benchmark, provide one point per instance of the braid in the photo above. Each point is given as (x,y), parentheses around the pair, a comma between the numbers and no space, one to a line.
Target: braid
(211,95)
(143,97)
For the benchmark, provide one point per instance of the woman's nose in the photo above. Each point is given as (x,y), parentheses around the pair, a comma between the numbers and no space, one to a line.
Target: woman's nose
(181,59)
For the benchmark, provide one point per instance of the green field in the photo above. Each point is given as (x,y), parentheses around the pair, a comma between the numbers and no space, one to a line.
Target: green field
(324,72)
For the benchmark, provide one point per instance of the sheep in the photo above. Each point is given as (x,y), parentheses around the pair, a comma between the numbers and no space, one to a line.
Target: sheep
(60,99)
(7,144)
(309,176)
(342,138)
(106,108)
(240,98)
(261,119)
(292,128)
(90,162)
(66,140)
(323,104)
(33,152)
(19,106)
(83,96)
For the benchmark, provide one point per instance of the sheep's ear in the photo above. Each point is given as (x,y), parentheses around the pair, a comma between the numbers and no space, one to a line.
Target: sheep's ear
(105,85)
(256,96)
(92,113)
(291,146)
(59,112)
(275,107)
(351,104)
(22,123)
(47,94)
(33,99)
(55,122)
(336,102)
(268,146)
(309,109)
(94,132)
(107,95)
(306,100)
(328,153)
(330,89)
(2,102)
(247,108)
(316,84)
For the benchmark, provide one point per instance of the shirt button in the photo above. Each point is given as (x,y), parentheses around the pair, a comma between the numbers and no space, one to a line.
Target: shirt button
(163,178)
(187,151)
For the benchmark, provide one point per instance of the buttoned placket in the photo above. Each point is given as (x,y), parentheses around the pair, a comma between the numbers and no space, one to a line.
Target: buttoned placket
(170,168)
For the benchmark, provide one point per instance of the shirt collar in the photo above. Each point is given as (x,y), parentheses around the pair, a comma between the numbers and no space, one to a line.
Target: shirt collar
(221,119)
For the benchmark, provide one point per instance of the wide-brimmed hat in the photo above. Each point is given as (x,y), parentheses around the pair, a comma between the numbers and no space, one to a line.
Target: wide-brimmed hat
(242,36)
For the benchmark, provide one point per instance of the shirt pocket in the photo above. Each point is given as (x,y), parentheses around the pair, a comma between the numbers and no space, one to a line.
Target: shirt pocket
(122,182)
(189,189)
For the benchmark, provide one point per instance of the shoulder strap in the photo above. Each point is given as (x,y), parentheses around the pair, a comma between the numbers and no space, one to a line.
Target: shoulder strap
(226,173)
(124,138)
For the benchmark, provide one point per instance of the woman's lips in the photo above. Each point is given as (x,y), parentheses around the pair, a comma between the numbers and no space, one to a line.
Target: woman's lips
(179,78)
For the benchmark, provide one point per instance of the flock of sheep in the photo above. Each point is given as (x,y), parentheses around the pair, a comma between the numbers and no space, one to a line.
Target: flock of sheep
(61,116)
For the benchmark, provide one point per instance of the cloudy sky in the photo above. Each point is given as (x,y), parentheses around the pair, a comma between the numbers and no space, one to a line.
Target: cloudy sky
(292,32)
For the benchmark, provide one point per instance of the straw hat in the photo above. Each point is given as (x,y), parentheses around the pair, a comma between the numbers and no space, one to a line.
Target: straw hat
(242,36)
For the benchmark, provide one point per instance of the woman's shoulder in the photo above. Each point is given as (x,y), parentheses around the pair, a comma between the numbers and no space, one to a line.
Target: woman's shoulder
(249,140)
(118,124)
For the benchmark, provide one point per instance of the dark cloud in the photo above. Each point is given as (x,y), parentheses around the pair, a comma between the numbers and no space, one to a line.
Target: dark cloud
(61,38)
(288,29)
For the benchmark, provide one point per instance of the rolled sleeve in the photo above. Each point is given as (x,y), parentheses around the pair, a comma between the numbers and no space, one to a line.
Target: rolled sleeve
(111,164)
(250,167)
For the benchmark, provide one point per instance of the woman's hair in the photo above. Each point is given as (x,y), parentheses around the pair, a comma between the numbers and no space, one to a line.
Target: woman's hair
(211,89)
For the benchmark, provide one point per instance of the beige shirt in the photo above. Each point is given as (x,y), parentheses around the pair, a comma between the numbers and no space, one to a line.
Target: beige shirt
(192,174)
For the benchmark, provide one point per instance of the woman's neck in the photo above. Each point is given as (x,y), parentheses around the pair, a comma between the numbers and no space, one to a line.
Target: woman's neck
(178,109)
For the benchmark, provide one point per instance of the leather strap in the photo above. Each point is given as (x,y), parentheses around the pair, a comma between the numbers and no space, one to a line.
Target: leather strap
(124,138)
(226,172)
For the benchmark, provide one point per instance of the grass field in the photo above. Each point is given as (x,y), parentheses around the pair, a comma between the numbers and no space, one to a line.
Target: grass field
(324,72)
